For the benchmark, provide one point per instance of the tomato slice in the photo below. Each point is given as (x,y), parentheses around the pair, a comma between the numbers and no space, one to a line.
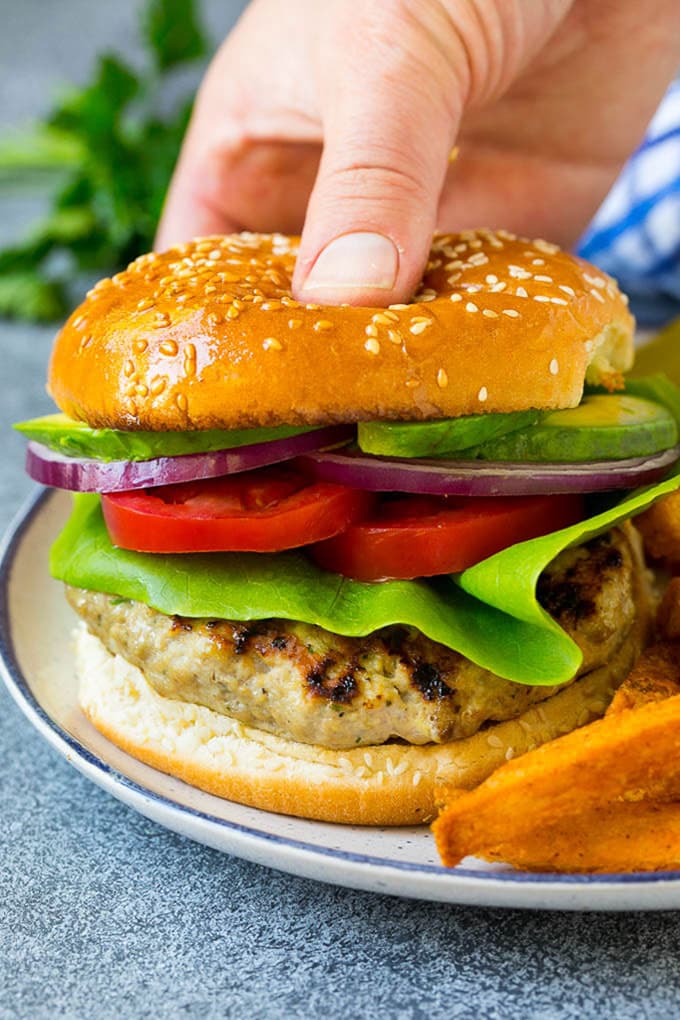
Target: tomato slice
(421,536)
(257,511)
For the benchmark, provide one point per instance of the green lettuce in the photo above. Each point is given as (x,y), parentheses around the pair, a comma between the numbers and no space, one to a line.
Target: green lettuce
(489,613)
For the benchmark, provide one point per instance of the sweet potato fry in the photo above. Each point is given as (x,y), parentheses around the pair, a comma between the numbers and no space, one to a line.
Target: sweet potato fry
(618,837)
(655,676)
(660,530)
(668,613)
(633,755)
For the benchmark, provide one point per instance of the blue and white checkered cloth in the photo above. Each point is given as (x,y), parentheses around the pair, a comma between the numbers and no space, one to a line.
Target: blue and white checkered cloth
(635,235)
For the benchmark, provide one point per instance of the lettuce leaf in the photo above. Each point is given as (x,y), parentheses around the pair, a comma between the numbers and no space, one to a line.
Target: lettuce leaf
(489,613)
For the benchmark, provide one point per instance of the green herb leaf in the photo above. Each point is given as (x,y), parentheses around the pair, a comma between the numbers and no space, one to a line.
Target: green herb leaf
(27,295)
(112,155)
(172,31)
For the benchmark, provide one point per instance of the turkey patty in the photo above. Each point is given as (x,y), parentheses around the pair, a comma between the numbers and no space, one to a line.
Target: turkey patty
(302,682)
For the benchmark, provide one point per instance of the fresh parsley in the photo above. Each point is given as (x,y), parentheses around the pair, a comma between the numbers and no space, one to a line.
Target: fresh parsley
(113,153)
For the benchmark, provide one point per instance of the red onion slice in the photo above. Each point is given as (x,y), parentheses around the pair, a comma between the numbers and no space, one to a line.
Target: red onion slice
(484,478)
(83,474)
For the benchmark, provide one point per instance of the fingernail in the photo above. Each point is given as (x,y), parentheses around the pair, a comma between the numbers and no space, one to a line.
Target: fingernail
(362,260)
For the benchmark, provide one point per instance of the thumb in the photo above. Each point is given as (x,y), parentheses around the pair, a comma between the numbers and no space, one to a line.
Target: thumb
(390,117)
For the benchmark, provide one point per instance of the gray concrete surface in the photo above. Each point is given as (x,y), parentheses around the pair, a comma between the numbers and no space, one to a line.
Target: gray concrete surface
(104,914)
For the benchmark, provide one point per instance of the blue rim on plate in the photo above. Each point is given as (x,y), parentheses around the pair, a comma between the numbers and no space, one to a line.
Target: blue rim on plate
(100,771)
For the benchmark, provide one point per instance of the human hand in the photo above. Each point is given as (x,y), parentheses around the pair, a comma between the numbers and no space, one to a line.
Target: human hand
(342,116)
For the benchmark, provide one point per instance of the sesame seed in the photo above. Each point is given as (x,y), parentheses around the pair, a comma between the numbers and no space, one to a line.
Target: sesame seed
(371,330)
(483,394)
(398,308)
(129,368)
(381,319)
(233,312)
(419,327)
(427,297)
(491,278)
(596,294)
(454,264)
(471,307)
(168,347)
(456,297)
(294,323)
(162,319)
(558,301)
(394,336)
(544,279)
(568,290)
(157,387)
(498,287)
(453,278)
(596,281)
(521,292)
(442,379)
(215,254)
(489,313)
(312,308)
(372,346)
(589,345)
(541,297)
(270,343)
(538,262)
(479,258)
(518,273)
(181,401)
(545,246)
(410,383)
(323,325)
(144,304)
(140,346)
(511,313)
(554,366)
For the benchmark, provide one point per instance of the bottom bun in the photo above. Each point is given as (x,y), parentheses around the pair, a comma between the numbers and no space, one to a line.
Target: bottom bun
(389,784)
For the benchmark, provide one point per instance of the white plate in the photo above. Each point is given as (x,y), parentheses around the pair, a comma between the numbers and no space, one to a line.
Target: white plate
(36,665)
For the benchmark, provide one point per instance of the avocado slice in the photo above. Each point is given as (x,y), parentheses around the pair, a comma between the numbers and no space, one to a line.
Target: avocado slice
(77,439)
(602,427)
(439,438)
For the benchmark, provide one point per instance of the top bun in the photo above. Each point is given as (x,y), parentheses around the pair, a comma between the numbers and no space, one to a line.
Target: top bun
(208,335)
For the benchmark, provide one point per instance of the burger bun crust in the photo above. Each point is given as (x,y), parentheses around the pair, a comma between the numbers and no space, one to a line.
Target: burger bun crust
(208,335)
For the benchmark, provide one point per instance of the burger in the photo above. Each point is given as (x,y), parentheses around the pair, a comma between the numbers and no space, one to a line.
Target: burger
(326,558)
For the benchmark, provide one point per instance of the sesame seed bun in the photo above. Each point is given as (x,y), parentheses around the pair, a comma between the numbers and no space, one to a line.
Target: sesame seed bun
(208,335)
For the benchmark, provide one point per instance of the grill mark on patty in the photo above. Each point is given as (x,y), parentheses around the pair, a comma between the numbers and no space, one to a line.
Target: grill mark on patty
(340,690)
(427,679)
(571,598)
